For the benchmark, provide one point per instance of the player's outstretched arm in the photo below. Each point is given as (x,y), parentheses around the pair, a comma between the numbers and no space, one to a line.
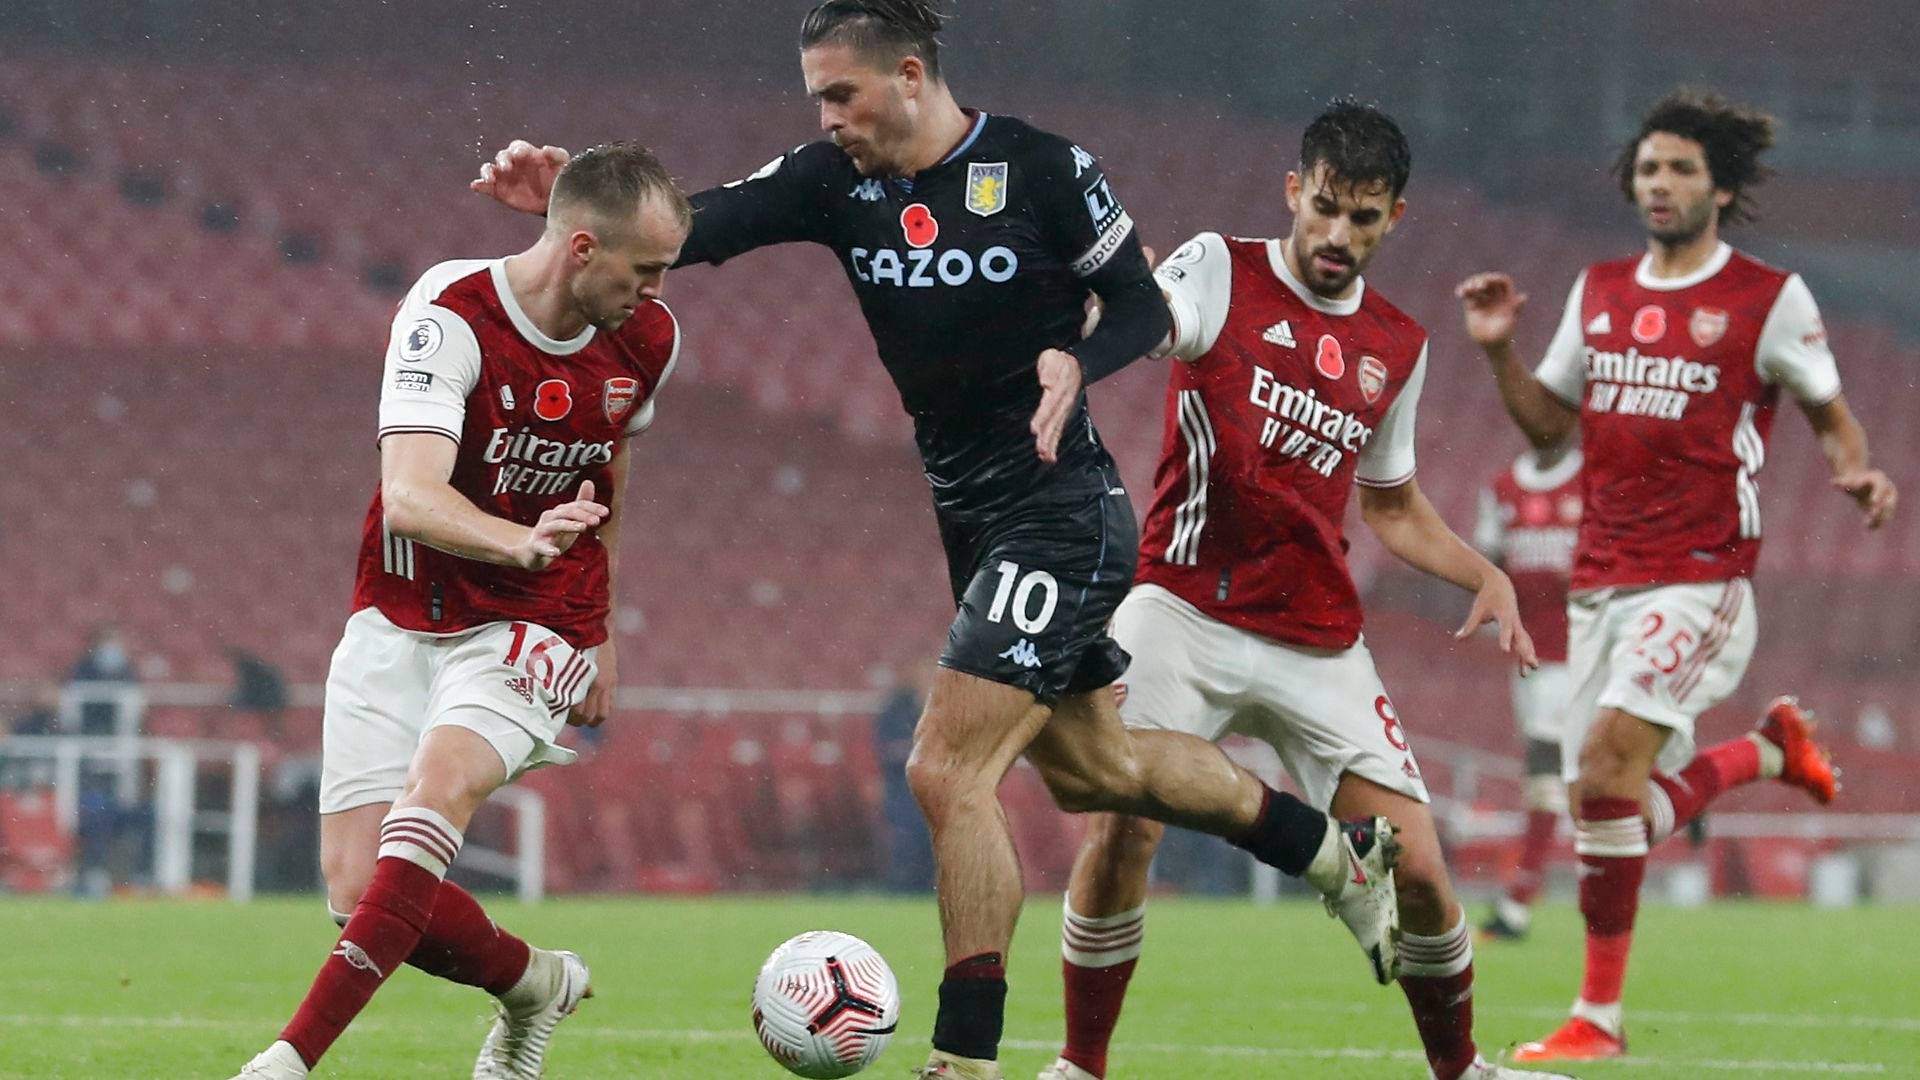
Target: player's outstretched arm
(1844,442)
(421,505)
(1409,527)
(1492,306)
(521,176)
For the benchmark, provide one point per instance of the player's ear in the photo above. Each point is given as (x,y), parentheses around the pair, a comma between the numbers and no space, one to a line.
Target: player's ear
(1293,191)
(1393,215)
(581,244)
(1722,198)
(912,73)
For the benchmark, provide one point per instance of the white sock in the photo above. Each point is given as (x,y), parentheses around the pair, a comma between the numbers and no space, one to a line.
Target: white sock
(1773,760)
(1607,1018)
(1328,870)
(538,984)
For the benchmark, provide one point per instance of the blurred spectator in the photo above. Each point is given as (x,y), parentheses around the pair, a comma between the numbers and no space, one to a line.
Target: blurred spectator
(40,717)
(908,857)
(258,688)
(115,830)
(105,664)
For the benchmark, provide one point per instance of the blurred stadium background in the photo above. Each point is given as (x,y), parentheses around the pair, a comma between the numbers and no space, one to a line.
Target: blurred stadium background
(209,208)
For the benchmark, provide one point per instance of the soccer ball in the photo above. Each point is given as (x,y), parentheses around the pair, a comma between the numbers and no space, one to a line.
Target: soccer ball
(825,1005)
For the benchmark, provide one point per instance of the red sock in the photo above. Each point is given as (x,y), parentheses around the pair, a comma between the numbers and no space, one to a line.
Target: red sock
(1611,840)
(1535,846)
(384,930)
(1436,974)
(1098,955)
(465,946)
(1675,799)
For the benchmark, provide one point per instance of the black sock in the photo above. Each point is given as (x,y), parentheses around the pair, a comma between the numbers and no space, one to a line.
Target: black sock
(1287,834)
(973,1007)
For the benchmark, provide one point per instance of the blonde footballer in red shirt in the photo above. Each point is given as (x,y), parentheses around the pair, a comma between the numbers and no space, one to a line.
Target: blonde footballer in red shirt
(486,562)
(1671,364)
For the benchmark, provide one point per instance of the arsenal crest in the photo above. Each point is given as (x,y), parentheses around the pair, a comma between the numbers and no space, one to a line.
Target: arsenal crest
(986,188)
(619,396)
(1707,326)
(1373,378)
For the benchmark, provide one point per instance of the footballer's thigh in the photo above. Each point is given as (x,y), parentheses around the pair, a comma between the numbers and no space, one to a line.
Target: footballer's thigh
(511,684)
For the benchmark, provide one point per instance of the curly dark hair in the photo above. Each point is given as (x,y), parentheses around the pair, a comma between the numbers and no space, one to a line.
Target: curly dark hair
(1733,136)
(1359,144)
(882,30)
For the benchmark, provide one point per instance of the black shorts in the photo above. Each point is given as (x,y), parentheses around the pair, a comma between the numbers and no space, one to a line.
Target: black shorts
(1035,587)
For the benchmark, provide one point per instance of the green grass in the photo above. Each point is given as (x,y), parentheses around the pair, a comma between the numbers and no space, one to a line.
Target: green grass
(169,989)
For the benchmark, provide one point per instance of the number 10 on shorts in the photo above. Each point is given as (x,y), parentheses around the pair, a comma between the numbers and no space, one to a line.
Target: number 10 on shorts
(1021,597)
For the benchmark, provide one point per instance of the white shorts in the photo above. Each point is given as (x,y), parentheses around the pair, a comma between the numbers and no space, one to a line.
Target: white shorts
(510,683)
(1662,653)
(1540,702)
(1324,712)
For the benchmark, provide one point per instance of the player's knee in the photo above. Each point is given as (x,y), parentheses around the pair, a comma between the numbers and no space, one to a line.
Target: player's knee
(1608,768)
(939,779)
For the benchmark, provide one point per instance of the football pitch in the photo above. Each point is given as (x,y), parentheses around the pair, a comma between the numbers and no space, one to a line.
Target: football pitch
(170,989)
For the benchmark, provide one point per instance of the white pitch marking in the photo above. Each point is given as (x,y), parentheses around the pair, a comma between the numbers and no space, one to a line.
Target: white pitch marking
(742,1035)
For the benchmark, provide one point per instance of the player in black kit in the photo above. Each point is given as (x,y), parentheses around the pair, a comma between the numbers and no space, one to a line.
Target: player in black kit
(972,242)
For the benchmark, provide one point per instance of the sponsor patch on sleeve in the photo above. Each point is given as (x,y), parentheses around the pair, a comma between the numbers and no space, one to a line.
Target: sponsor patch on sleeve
(417,381)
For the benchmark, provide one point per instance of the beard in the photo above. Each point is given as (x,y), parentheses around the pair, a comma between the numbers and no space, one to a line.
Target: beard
(1686,226)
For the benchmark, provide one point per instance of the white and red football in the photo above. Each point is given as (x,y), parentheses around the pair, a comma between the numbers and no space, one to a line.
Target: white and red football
(825,1005)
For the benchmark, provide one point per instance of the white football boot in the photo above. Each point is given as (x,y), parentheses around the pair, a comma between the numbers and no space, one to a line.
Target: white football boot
(1063,1069)
(1358,888)
(1482,1069)
(944,1066)
(516,1047)
(277,1062)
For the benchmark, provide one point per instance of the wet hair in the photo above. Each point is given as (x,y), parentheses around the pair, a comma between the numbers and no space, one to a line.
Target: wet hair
(883,31)
(1359,145)
(1733,136)
(609,181)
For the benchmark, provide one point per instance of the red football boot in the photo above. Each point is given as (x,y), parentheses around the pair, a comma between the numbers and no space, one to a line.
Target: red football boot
(1807,765)
(1577,1040)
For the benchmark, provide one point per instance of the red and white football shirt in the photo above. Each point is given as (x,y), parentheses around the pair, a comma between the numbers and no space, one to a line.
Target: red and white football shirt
(1282,401)
(1529,522)
(534,417)
(1676,381)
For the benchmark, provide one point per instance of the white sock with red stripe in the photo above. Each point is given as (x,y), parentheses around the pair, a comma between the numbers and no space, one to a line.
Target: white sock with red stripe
(1436,974)
(1098,955)
(420,836)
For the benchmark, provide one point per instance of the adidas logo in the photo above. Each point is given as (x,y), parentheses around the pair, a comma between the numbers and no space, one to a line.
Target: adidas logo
(1601,324)
(1280,334)
(523,685)
(1022,652)
(357,957)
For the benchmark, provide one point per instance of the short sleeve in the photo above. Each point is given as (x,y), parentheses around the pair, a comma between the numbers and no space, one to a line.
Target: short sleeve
(643,416)
(1198,282)
(1387,459)
(1793,349)
(1084,222)
(433,364)
(1563,370)
(1490,526)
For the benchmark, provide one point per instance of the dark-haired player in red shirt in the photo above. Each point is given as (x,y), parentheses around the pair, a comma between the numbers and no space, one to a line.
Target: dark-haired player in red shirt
(480,605)
(1671,364)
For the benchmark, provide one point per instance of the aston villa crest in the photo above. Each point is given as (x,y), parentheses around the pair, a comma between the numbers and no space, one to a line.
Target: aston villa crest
(986,187)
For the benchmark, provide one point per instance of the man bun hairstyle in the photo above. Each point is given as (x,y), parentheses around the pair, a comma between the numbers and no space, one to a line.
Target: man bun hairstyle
(609,181)
(883,31)
(1359,145)
(1733,136)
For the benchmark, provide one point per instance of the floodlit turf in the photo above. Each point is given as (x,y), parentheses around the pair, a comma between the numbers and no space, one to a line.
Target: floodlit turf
(164,989)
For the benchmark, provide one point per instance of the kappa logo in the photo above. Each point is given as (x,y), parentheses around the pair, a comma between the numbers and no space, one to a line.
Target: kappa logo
(1600,324)
(1022,652)
(1280,334)
(522,685)
(357,957)
(1082,161)
(868,191)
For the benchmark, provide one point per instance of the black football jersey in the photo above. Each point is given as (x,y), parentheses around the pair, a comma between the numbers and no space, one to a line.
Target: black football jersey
(966,272)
